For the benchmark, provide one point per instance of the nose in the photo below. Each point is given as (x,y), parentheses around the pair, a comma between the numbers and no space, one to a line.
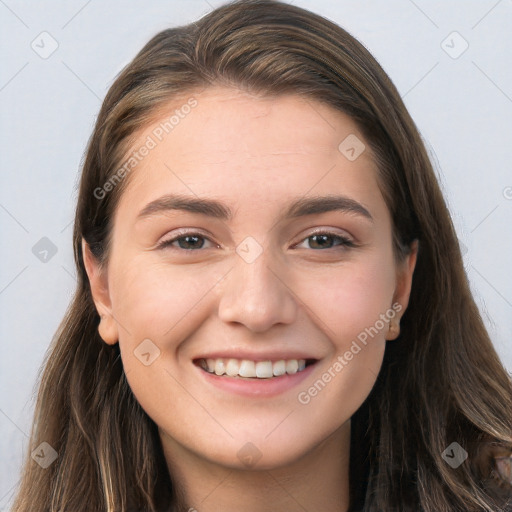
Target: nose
(257,295)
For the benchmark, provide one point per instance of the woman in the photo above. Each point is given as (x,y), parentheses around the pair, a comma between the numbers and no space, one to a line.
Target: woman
(272,311)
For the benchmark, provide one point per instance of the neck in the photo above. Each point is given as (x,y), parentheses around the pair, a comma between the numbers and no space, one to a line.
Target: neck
(319,480)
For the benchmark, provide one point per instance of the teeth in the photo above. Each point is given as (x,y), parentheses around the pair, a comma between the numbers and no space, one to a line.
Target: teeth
(232,367)
(264,370)
(279,368)
(292,366)
(219,367)
(253,369)
(247,369)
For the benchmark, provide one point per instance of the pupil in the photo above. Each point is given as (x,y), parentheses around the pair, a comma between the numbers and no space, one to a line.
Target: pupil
(189,240)
(323,237)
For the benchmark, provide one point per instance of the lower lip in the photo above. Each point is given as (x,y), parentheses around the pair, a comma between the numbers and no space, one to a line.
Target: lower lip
(257,387)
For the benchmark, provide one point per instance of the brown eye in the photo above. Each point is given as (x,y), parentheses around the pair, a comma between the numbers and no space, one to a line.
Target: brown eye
(185,241)
(190,242)
(327,240)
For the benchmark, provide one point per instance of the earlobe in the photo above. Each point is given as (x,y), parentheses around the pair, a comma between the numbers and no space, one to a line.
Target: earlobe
(403,290)
(393,329)
(100,295)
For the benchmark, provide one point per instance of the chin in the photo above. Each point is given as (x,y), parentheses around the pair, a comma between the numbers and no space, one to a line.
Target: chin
(255,453)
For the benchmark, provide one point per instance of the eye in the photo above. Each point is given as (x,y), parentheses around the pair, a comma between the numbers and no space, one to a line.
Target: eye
(187,241)
(327,240)
(190,241)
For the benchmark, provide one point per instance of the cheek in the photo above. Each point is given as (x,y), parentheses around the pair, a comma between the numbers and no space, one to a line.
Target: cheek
(353,305)
(158,301)
(350,300)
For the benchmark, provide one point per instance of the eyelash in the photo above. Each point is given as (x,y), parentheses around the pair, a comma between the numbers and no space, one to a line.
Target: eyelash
(344,242)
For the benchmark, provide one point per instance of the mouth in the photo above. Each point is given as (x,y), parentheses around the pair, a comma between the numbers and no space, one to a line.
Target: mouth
(253,370)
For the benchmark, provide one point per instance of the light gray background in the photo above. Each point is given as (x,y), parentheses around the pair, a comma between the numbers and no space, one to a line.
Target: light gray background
(462,106)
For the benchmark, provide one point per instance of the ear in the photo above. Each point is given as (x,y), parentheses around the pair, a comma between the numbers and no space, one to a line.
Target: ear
(403,289)
(100,294)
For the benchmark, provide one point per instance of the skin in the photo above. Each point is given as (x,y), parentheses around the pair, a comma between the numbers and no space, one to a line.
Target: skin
(255,155)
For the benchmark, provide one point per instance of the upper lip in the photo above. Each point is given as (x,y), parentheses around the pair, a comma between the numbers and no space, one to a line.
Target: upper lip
(276,355)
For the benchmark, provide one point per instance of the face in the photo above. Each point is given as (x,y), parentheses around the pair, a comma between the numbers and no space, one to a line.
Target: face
(251,317)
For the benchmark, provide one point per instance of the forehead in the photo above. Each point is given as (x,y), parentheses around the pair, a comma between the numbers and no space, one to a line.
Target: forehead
(239,122)
(228,143)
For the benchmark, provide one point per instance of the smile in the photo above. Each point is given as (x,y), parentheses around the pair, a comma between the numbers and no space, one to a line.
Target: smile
(246,368)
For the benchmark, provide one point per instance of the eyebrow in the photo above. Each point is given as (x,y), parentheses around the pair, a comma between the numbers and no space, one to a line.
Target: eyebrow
(216,209)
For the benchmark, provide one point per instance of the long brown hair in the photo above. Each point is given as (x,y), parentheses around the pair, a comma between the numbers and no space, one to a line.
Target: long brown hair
(441,380)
